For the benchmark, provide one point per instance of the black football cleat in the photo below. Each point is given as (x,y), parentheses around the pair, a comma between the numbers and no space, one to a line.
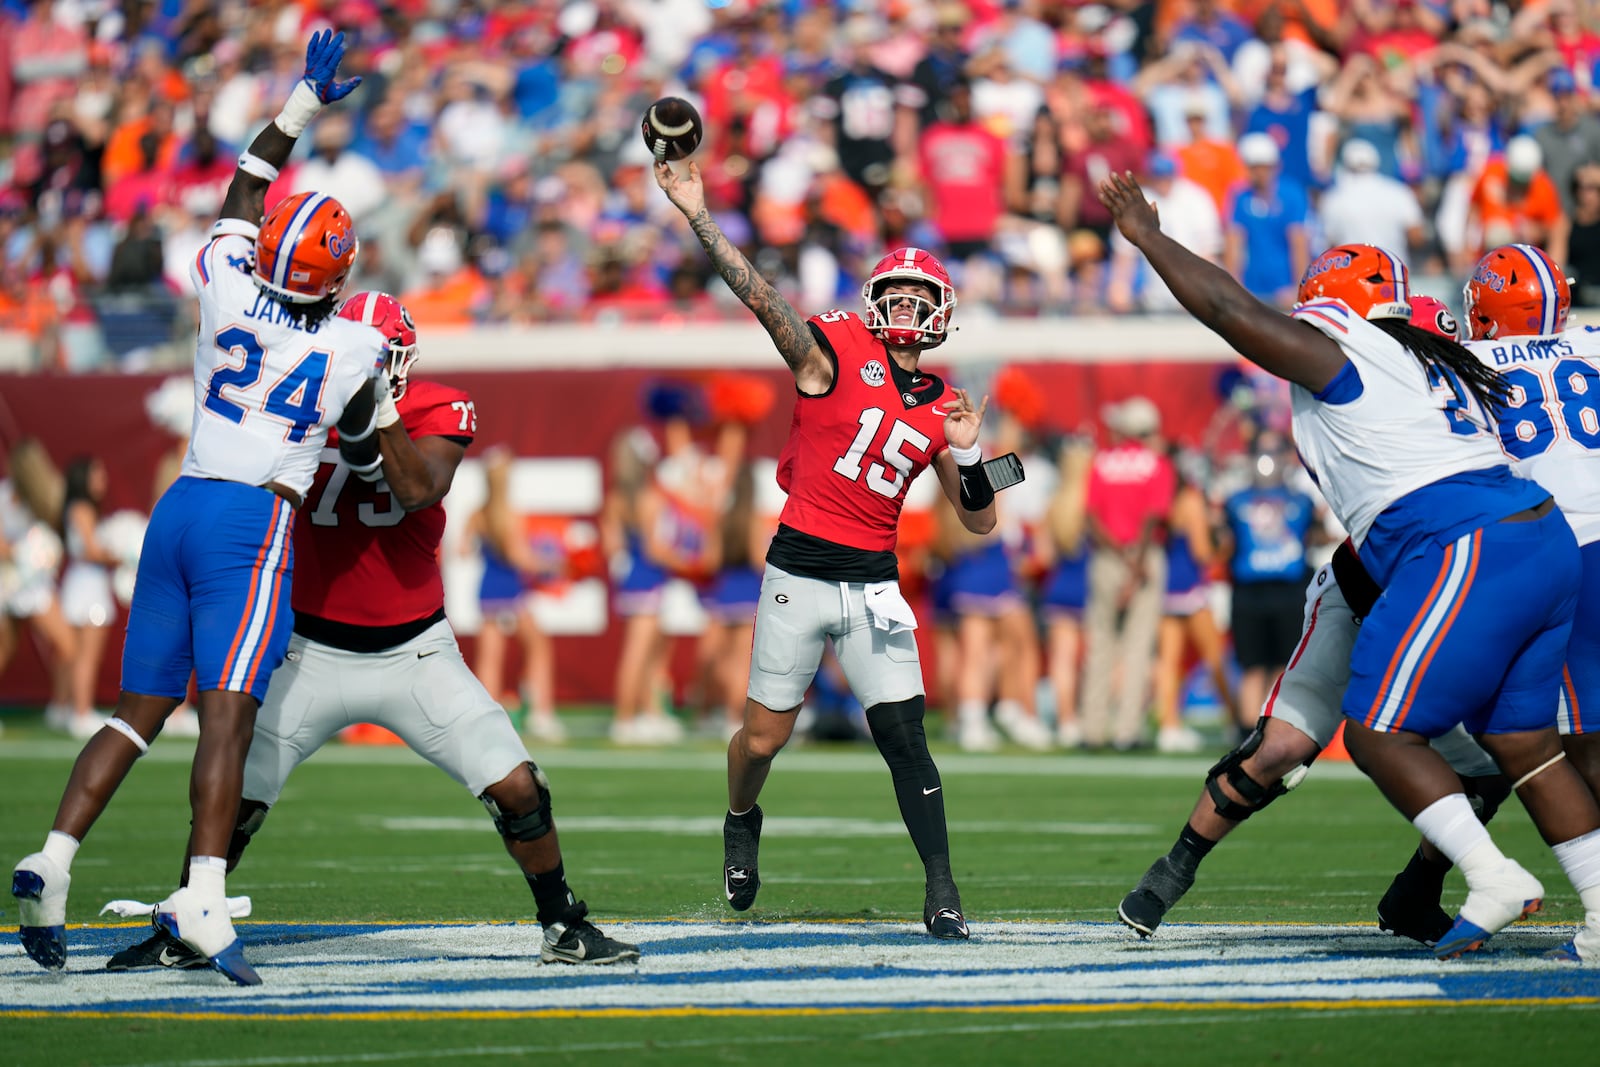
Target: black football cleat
(941,911)
(741,842)
(1411,910)
(1162,886)
(160,949)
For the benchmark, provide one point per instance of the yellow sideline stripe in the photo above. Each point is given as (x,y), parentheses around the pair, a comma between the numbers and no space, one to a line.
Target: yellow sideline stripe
(693,1012)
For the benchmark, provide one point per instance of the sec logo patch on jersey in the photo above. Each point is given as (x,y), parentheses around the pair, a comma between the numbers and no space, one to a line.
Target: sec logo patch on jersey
(873,374)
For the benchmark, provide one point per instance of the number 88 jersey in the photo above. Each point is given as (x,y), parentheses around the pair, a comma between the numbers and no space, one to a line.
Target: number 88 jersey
(854,450)
(1551,428)
(266,389)
(359,557)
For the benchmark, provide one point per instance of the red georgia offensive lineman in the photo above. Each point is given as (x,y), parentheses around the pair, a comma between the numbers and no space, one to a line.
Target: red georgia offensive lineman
(866,423)
(371,644)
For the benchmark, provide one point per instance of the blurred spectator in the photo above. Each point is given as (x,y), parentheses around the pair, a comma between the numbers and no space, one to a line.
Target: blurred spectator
(451,291)
(1369,104)
(1103,153)
(136,263)
(1130,490)
(44,53)
(144,141)
(87,602)
(1003,99)
(943,65)
(1268,244)
(1301,66)
(1571,138)
(1066,588)
(1514,199)
(1365,207)
(1028,45)
(1208,23)
(858,110)
(337,171)
(1186,617)
(1188,216)
(1212,163)
(1288,115)
(1579,237)
(1268,525)
(400,149)
(1191,81)
(967,170)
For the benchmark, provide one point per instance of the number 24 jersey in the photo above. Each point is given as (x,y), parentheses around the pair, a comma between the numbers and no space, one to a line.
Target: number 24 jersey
(855,449)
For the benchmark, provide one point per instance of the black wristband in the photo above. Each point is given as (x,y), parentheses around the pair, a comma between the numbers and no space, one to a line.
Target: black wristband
(976,492)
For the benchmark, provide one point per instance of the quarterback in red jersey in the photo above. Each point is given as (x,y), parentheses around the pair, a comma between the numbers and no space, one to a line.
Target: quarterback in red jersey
(867,421)
(371,644)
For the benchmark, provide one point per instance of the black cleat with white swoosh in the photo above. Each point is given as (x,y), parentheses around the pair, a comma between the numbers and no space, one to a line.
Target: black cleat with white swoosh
(160,949)
(574,939)
(941,908)
(741,841)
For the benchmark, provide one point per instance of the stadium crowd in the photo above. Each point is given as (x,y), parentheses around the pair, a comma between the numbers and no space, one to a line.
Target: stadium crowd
(494,169)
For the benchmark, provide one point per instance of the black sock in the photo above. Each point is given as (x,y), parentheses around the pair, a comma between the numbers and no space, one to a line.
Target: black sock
(1190,849)
(897,731)
(551,895)
(1428,872)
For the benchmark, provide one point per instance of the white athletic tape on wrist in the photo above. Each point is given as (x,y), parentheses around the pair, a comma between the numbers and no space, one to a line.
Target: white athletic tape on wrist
(301,107)
(251,163)
(129,732)
(387,414)
(966,457)
(1531,775)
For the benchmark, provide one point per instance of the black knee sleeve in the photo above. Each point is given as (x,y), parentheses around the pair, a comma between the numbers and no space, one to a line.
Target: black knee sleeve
(1256,796)
(529,826)
(898,732)
(252,813)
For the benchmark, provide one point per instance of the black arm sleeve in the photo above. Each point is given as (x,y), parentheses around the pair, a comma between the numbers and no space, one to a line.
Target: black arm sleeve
(358,432)
(976,492)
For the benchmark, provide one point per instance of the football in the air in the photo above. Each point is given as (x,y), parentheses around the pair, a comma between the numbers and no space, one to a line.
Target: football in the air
(672,128)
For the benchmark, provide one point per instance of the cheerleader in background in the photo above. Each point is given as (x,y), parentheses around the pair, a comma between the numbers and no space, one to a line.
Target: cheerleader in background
(511,569)
(1066,591)
(737,550)
(30,553)
(1186,614)
(87,601)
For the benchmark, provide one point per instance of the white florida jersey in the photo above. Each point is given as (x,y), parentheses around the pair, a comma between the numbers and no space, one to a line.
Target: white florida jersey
(266,390)
(1387,426)
(1551,429)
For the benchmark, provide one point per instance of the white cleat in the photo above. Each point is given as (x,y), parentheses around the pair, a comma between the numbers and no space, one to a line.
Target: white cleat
(976,735)
(1026,730)
(204,925)
(544,726)
(1499,899)
(85,724)
(40,885)
(1178,739)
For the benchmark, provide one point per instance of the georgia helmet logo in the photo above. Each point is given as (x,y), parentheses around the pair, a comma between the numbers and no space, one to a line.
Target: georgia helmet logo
(873,373)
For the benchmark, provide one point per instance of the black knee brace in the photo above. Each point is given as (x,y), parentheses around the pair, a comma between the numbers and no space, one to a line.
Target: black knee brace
(252,813)
(897,731)
(529,826)
(1256,796)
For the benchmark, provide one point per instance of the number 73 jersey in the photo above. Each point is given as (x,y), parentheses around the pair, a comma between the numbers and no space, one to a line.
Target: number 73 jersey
(266,390)
(359,557)
(854,450)
(1551,427)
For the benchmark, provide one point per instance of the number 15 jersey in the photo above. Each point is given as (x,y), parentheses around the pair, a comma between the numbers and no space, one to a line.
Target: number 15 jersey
(266,389)
(854,450)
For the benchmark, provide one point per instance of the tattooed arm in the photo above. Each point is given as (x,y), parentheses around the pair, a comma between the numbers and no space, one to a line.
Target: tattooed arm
(813,371)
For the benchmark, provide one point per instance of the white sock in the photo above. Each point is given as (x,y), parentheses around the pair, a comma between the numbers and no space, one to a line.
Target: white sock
(208,875)
(1580,858)
(971,711)
(61,848)
(1450,824)
(1010,711)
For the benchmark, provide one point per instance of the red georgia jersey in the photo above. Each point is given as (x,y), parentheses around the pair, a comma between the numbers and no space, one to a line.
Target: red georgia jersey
(854,451)
(359,557)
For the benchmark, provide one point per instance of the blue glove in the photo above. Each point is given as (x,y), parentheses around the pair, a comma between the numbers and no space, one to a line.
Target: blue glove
(323,54)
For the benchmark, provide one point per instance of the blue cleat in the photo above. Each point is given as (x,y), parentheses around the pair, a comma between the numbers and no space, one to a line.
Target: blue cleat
(1461,938)
(1567,952)
(40,886)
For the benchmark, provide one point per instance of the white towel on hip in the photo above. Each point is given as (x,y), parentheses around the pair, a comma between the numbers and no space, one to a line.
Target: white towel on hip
(887,608)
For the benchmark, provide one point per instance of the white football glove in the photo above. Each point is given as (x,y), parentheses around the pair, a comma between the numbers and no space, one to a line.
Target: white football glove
(387,413)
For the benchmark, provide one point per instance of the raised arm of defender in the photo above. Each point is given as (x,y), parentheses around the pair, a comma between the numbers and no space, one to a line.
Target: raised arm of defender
(259,165)
(813,372)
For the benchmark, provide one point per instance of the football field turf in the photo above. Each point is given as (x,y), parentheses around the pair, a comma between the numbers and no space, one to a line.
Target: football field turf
(390,927)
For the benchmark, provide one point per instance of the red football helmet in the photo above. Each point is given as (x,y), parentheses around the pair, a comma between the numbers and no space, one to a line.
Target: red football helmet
(1434,315)
(1516,291)
(1364,278)
(390,318)
(305,249)
(932,319)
